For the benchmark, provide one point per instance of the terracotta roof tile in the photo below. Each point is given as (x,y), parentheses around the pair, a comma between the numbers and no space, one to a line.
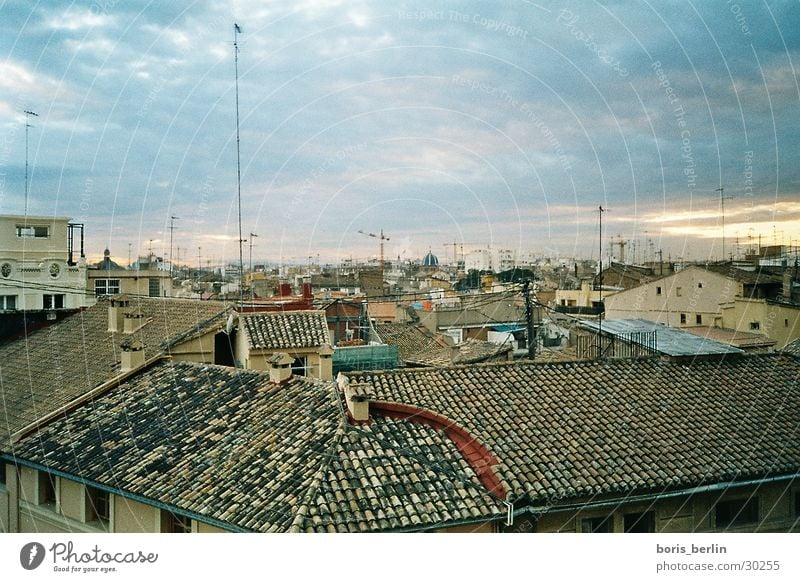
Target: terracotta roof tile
(228,445)
(578,429)
(286,329)
(54,365)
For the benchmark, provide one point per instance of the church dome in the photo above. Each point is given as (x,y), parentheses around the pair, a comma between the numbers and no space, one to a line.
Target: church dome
(430,260)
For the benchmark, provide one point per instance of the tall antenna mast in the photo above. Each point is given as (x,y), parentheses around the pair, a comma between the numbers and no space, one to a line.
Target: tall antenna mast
(171,229)
(27,125)
(600,286)
(236,32)
(721,191)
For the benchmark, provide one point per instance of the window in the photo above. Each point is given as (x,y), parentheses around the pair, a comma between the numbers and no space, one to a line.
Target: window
(736,512)
(644,522)
(32,231)
(53,301)
(598,524)
(171,523)
(8,302)
(300,367)
(2,474)
(154,288)
(700,285)
(785,323)
(106,287)
(99,505)
(698,319)
(658,290)
(678,291)
(683,318)
(47,488)
(755,325)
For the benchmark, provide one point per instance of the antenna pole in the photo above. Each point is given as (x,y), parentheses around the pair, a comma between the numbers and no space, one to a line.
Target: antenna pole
(27,125)
(236,31)
(171,230)
(721,191)
(600,281)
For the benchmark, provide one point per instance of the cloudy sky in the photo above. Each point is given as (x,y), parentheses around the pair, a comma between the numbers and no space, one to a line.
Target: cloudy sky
(504,124)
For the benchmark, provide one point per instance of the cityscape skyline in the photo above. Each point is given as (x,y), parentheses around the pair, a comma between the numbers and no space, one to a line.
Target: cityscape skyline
(505,126)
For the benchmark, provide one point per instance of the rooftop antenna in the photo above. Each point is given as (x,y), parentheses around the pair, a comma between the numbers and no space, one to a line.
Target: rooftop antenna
(27,125)
(236,32)
(601,210)
(252,236)
(721,191)
(172,220)
(382,238)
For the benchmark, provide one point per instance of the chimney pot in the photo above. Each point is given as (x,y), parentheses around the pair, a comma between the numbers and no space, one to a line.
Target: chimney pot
(357,397)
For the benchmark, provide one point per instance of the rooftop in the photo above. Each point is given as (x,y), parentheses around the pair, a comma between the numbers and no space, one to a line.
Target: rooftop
(573,430)
(419,347)
(670,341)
(56,364)
(230,448)
(285,329)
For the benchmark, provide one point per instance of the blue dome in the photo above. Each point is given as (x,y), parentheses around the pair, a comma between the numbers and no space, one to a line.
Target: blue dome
(430,260)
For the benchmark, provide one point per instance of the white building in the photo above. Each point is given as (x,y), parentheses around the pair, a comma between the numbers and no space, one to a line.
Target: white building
(39,267)
(490,259)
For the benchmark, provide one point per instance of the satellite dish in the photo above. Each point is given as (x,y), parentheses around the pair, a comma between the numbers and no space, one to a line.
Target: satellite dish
(229,324)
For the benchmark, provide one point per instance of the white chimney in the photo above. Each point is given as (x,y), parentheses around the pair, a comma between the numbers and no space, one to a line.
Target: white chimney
(115,313)
(357,397)
(280,368)
(132,355)
(134,320)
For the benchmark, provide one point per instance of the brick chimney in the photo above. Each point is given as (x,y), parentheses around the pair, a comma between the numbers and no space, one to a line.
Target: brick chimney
(132,355)
(133,321)
(307,291)
(119,303)
(280,368)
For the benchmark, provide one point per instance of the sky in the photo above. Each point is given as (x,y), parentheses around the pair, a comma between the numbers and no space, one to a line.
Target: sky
(504,124)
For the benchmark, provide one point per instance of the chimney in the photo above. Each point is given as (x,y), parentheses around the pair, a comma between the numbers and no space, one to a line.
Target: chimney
(134,320)
(357,397)
(115,313)
(326,362)
(284,290)
(280,368)
(455,353)
(307,292)
(132,355)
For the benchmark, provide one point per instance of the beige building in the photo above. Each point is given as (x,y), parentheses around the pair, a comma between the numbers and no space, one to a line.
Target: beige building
(40,269)
(777,320)
(303,335)
(690,297)
(108,279)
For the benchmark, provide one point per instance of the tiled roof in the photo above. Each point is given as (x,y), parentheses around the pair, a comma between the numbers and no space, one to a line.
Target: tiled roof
(572,430)
(792,348)
(759,275)
(230,447)
(285,329)
(418,347)
(54,365)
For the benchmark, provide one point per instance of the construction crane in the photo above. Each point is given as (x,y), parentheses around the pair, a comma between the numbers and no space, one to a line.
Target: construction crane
(382,238)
